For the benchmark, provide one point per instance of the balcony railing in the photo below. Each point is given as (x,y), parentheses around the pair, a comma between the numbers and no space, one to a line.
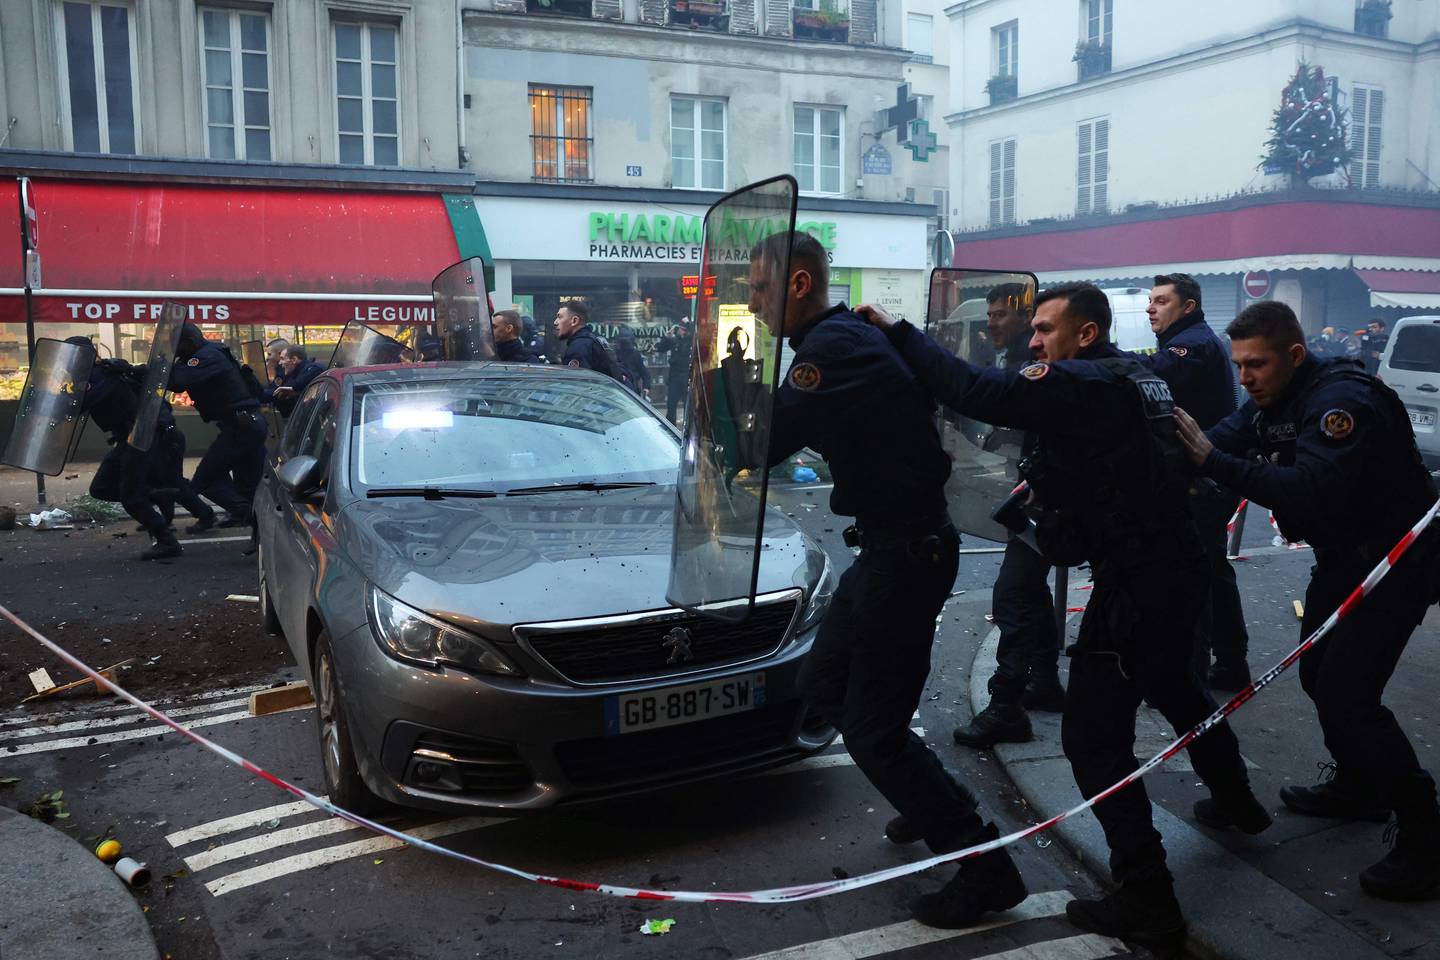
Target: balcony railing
(1093,58)
(700,14)
(1002,87)
(830,21)
(560,8)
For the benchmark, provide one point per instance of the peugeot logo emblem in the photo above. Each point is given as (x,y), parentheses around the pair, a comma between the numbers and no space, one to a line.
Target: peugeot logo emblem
(677,641)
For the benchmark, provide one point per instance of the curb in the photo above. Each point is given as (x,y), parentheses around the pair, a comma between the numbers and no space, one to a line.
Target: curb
(1235,912)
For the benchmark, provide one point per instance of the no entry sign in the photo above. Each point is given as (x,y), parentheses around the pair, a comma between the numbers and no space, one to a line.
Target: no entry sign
(1257,284)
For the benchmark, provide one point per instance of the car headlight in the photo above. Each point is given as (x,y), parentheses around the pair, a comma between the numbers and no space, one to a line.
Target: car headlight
(819,598)
(407,634)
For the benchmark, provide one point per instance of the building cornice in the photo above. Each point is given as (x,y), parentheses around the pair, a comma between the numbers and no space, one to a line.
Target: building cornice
(699,198)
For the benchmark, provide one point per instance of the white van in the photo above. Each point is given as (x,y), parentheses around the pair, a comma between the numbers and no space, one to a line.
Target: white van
(1411,367)
(1129,324)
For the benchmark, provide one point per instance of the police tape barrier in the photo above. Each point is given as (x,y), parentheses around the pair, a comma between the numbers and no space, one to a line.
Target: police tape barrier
(793,894)
(1235,531)
(1280,539)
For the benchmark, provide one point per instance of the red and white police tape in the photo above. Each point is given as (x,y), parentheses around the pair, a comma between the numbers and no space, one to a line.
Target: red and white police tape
(807,891)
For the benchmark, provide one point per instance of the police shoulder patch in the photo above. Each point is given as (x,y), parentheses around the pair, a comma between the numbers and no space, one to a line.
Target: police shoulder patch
(193,362)
(574,363)
(1034,371)
(805,376)
(1337,424)
(1180,351)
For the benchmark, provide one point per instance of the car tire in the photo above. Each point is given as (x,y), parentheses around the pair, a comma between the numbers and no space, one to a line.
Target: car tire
(337,754)
(268,617)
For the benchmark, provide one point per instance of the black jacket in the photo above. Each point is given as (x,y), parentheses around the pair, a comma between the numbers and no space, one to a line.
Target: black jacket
(515,351)
(1195,363)
(212,379)
(296,381)
(587,350)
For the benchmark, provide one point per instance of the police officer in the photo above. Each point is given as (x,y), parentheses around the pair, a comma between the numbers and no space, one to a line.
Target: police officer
(678,344)
(1313,443)
(1191,358)
(1111,483)
(846,395)
(1027,660)
(510,345)
(296,372)
(583,347)
(135,478)
(229,471)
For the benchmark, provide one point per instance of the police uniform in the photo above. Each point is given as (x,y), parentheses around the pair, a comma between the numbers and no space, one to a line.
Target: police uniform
(1109,471)
(1197,366)
(297,381)
(229,471)
(515,351)
(1317,458)
(586,350)
(848,395)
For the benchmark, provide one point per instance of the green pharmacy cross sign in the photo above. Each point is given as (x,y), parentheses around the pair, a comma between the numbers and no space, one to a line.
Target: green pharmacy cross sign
(920,141)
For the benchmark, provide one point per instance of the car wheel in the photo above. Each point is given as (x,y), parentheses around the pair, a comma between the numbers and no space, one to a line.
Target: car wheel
(342,777)
(268,617)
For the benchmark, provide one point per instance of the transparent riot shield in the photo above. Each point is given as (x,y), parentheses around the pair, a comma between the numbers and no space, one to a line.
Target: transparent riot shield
(252,355)
(462,312)
(157,374)
(739,315)
(362,346)
(49,409)
(982,316)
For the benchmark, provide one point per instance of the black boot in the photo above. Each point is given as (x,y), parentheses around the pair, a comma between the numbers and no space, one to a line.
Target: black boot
(202,523)
(1411,870)
(164,547)
(1229,677)
(1337,796)
(1233,808)
(235,518)
(997,723)
(902,831)
(984,884)
(1043,691)
(1142,911)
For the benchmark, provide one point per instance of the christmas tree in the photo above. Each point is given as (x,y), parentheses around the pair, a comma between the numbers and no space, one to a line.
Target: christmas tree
(1309,134)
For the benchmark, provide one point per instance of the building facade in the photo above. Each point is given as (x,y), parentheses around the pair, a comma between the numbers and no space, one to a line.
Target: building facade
(1131,144)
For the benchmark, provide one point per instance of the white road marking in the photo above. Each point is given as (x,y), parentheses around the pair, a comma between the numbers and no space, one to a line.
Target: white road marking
(269,841)
(918,731)
(1086,946)
(240,821)
(122,707)
(101,722)
(214,540)
(811,763)
(45,746)
(902,936)
(359,848)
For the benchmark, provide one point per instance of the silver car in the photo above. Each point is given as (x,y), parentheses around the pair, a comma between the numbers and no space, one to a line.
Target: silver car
(469,563)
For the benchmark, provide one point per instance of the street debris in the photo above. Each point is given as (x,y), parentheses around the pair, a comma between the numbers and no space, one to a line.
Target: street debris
(40,680)
(242,598)
(51,690)
(292,696)
(47,808)
(1299,609)
(52,519)
(108,850)
(657,926)
(9,781)
(86,507)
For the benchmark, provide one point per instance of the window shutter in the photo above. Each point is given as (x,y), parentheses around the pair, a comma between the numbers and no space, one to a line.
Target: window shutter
(1082,175)
(1372,138)
(1009,184)
(1100,175)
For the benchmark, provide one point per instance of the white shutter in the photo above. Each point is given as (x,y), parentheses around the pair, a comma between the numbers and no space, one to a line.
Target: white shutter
(1367,113)
(1008,187)
(995,182)
(1084,132)
(1100,173)
(1372,138)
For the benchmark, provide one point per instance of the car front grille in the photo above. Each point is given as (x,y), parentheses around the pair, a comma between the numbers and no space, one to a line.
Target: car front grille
(485,766)
(671,752)
(640,648)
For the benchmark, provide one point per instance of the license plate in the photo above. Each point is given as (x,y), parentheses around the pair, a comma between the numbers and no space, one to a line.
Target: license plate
(1422,418)
(670,706)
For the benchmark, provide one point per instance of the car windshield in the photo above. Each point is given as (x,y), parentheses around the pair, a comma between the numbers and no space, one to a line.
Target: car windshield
(1417,348)
(506,432)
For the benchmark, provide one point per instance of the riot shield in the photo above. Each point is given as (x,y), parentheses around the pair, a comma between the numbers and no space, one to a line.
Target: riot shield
(361,346)
(252,355)
(739,314)
(49,408)
(462,312)
(982,316)
(157,374)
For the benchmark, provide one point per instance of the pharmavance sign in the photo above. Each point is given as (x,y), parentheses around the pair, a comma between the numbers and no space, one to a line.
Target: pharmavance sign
(638,230)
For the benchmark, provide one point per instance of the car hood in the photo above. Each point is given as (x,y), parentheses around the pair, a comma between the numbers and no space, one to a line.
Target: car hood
(488,564)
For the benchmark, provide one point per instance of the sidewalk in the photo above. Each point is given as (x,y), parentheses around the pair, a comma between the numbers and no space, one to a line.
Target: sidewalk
(17,487)
(1292,891)
(59,902)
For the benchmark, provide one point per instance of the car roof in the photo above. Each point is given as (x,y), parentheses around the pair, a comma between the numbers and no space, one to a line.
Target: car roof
(457,370)
(1407,321)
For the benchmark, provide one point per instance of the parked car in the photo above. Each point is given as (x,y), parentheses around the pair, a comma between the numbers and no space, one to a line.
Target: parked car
(469,563)
(1411,366)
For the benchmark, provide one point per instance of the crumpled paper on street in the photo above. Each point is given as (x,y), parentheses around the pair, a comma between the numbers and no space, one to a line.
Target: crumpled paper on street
(656,926)
(52,519)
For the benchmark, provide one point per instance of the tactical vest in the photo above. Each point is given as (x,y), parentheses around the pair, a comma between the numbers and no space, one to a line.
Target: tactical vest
(1121,498)
(222,395)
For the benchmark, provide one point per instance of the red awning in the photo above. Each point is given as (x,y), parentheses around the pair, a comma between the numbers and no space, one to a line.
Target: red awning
(113,252)
(1304,234)
(1416,289)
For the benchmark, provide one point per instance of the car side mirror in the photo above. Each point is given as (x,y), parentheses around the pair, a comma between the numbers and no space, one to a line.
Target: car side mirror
(299,476)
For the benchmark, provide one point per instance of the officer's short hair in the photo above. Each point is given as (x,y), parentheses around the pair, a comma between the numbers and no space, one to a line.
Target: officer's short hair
(1380,322)
(294,350)
(1270,319)
(806,253)
(279,343)
(511,317)
(1084,302)
(577,308)
(1185,286)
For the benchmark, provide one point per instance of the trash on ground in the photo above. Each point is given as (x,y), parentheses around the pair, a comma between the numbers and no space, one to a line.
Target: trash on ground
(52,519)
(1299,609)
(242,598)
(657,926)
(108,673)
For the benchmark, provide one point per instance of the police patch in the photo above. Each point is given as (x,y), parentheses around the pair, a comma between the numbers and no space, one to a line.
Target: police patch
(1179,351)
(805,376)
(1035,371)
(1337,424)
(574,363)
(193,362)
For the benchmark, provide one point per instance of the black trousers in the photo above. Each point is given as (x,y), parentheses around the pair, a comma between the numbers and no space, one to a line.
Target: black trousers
(169,467)
(1346,672)
(230,470)
(1135,642)
(124,477)
(677,384)
(1025,613)
(1220,629)
(867,671)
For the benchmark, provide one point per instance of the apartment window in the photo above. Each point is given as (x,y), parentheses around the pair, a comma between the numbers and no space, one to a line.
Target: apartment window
(1099,15)
(1092,183)
(1367,113)
(366,101)
(561,139)
(920,34)
(1372,18)
(235,67)
(97,76)
(697,143)
(1002,182)
(1006,48)
(819,134)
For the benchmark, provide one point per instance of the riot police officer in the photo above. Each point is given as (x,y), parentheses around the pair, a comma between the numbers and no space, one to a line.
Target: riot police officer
(583,347)
(1110,483)
(1196,365)
(846,395)
(1314,443)
(229,471)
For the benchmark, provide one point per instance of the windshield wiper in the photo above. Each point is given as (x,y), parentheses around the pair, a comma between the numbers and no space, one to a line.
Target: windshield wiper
(581,485)
(430,493)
